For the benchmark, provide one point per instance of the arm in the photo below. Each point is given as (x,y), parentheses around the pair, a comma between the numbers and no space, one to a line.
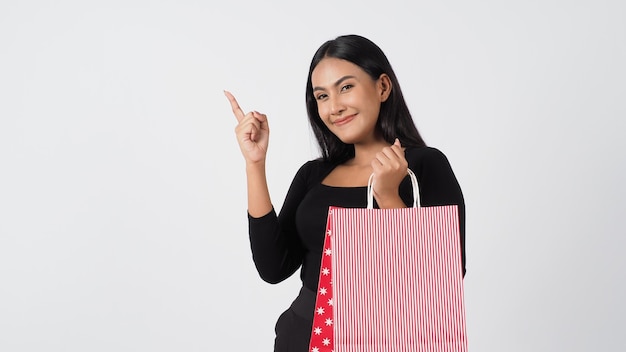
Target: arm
(276,247)
(272,247)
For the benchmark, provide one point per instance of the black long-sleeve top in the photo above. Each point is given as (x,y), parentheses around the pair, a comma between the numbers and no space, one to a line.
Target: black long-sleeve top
(281,244)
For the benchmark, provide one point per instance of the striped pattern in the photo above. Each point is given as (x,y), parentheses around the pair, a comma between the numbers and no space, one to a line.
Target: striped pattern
(397,287)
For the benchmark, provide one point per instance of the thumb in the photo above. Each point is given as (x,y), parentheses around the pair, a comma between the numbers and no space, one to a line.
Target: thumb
(397,142)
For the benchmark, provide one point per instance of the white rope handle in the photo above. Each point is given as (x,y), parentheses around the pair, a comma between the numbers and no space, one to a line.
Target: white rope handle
(414,184)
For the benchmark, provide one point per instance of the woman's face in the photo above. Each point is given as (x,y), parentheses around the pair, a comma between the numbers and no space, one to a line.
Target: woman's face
(348,99)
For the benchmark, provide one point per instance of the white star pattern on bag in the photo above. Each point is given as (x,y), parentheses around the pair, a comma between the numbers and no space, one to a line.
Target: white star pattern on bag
(322,338)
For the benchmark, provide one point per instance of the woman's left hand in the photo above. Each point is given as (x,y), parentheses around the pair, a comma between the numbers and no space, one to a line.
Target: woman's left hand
(390,167)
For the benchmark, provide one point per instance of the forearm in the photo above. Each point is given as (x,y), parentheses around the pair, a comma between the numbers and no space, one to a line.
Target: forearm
(276,247)
(276,254)
(259,202)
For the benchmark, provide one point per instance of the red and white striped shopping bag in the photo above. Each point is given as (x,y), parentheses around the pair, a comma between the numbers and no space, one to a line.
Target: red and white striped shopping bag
(390,280)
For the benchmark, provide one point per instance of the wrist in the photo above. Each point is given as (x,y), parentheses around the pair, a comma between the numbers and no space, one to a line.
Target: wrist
(255,166)
(390,201)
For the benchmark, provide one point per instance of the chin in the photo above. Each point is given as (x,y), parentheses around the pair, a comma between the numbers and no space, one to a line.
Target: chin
(348,140)
(351,138)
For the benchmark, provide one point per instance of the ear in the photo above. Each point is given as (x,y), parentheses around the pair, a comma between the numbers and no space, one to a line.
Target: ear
(384,87)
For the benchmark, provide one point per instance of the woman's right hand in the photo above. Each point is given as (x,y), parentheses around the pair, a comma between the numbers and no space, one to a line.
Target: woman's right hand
(252,132)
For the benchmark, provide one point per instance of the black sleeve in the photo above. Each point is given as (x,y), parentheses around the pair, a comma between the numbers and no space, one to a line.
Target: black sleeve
(276,248)
(438,185)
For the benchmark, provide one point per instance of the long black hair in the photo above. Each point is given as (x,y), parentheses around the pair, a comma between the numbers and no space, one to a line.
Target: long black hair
(394,120)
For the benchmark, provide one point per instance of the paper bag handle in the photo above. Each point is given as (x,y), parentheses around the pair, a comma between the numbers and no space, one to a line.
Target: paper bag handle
(416,191)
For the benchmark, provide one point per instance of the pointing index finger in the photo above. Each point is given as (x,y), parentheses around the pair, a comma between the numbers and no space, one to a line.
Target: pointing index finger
(235,106)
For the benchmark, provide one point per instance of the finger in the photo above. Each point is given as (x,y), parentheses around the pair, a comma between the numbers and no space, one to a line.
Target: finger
(376,167)
(382,159)
(393,154)
(398,149)
(247,126)
(247,121)
(234,106)
(253,132)
(262,119)
(392,157)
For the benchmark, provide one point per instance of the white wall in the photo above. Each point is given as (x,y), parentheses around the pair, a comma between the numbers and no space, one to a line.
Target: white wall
(122,192)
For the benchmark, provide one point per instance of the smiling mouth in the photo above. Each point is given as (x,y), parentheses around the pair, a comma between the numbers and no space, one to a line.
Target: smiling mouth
(344,120)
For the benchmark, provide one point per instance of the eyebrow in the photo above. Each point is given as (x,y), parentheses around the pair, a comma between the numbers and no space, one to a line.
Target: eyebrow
(336,83)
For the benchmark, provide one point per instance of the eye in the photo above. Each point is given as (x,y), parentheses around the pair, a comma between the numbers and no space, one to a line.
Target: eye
(321,96)
(346,87)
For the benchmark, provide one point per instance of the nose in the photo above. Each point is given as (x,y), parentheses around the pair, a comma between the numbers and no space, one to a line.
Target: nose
(336,106)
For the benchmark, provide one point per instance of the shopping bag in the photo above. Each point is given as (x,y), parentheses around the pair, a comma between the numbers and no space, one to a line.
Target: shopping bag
(390,280)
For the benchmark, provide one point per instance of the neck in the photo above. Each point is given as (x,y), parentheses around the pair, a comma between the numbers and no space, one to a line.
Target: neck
(366,152)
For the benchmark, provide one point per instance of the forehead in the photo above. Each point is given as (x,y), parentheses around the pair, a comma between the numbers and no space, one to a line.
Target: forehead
(331,69)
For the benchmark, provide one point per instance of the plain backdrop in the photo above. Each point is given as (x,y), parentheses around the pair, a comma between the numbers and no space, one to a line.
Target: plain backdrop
(122,189)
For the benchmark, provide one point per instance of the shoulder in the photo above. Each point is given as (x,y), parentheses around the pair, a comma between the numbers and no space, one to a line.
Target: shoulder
(424,152)
(314,171)
(438,183)
(430,157)
(313,166)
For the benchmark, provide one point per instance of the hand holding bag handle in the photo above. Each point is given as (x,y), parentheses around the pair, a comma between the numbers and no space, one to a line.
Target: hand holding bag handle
(416,191)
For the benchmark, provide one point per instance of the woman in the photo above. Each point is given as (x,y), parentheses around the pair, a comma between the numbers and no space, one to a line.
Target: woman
(363,127)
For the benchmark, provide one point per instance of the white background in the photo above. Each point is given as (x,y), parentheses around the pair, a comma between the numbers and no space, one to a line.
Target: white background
(122,191)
